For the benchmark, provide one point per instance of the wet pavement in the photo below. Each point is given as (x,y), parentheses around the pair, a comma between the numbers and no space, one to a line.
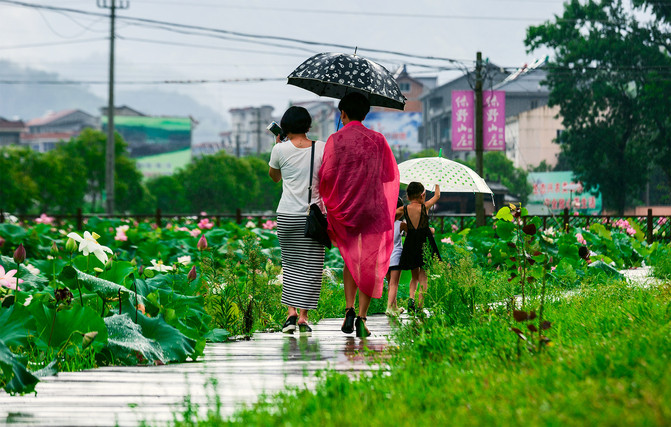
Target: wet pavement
(242,371)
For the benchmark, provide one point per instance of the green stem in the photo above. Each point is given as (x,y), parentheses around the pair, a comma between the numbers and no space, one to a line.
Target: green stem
(540,312)
(79,288)
(18,272)
(53,322)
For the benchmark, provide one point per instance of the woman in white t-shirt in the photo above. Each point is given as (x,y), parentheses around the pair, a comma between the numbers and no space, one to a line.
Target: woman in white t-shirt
(302,257)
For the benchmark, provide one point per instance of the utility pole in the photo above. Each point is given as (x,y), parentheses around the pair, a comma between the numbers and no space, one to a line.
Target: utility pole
(109,155)
(479,199)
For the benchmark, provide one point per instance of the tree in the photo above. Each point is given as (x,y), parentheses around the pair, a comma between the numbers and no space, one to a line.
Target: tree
(219,183)
(61,181)
(18,190)
(168,193)
(90,147)
(497,167)
(604,77)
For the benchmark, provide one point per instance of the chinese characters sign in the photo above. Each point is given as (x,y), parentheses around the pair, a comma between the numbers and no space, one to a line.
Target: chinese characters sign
(554,191)
(463,120)
(494,120)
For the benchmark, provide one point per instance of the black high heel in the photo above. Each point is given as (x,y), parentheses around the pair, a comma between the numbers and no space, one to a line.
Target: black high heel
(348,324)
(361,328)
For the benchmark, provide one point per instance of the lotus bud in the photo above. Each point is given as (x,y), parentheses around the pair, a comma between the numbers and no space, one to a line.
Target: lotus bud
(97,269)
(108,264)
(2,242)
(20,254)
(71,245)
(88,338)
(54,249)
(202,243)
(192,274)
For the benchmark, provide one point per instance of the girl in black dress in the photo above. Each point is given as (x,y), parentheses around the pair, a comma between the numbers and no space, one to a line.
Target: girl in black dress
(418,235)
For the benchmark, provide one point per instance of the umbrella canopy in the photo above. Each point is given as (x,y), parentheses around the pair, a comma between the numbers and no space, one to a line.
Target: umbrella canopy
(336,74)
(451,176)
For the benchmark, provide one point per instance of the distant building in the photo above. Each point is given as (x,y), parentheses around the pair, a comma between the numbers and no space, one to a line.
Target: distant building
(10,131)
(44,133)
(249,134)
(160,144)
(412,88)
(531,125)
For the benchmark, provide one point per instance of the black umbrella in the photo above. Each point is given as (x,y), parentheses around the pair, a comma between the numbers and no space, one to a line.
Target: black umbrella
(336,74)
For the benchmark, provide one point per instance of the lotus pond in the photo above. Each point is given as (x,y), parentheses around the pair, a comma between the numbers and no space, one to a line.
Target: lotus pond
(122,292)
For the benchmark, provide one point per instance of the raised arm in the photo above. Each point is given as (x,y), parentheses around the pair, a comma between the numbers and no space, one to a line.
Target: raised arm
(432,201)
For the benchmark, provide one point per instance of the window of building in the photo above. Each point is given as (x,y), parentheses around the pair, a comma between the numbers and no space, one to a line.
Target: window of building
(534,104)
(405,87)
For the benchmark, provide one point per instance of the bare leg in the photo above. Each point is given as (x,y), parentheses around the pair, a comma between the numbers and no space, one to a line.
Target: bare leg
(394,277)
(413,282)
(364,303)
(292,311)
(423,286)
(350,288)
(303,318)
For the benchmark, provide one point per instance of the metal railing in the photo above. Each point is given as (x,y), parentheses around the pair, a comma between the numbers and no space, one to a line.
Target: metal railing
(655,227)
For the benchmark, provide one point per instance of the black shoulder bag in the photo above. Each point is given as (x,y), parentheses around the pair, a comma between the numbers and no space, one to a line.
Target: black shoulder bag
(315,225)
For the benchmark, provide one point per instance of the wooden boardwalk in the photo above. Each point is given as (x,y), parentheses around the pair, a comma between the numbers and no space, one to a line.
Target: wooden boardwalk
(243,370)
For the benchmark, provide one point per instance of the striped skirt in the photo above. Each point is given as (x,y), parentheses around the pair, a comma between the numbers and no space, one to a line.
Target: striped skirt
(302,263)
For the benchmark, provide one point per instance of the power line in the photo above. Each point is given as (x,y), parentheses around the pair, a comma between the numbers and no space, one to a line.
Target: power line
(144,82)
(173,26)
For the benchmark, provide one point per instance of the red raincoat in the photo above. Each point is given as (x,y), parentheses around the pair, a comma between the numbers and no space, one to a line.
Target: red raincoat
(359,183)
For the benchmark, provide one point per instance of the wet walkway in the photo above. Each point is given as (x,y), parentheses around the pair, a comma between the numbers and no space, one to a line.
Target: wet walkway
(243,370)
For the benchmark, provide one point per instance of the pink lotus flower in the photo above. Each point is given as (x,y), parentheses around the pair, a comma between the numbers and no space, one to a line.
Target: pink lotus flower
(631,231)
(44,219)
(662,220)
(205,223)
(455,228)
(580,239)
(269,225)
(7,279)
(447,240)
(202,243)
(121,233)
(195,232)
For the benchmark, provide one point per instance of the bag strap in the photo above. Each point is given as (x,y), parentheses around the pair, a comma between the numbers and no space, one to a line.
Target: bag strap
(312,165)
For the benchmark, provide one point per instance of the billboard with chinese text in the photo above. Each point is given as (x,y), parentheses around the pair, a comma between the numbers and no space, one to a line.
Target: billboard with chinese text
(554,191)
(399,128)
(463,120)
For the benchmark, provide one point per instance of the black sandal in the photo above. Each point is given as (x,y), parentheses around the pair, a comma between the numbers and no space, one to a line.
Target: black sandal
(348,324)
(290,325)
(361,328)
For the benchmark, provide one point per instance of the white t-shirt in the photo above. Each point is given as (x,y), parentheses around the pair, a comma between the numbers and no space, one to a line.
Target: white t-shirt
(294,164)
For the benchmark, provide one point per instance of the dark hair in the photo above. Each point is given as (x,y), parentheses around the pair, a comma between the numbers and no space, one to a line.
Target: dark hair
(414,190)
(399,203)
(296,120)
(355,105)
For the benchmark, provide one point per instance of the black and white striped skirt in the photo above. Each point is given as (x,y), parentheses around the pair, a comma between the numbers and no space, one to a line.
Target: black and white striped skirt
(302,263)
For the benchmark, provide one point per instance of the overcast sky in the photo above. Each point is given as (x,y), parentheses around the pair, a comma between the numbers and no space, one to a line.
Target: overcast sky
(75,45)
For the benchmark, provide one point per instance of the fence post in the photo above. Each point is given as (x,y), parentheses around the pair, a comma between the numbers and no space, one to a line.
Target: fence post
(566,220)
(158,217)
(80,219)
(2,216)
(442,224)
(648,233)
(218,220)
(238,216)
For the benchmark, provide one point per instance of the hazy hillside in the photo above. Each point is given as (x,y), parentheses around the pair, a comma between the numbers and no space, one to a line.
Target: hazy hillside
(28,101)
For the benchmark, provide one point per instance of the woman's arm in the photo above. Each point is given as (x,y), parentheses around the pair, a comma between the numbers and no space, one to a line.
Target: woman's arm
(399,213)
(275,174)
(432,201)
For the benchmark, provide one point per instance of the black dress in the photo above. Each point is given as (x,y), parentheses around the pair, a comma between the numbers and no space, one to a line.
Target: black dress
(413,248)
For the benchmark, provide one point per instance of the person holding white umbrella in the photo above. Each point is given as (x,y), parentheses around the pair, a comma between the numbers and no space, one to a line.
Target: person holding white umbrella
(418,235)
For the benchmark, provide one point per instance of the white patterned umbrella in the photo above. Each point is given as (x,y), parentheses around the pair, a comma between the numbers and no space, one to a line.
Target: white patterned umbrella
(336,74)
(452,177)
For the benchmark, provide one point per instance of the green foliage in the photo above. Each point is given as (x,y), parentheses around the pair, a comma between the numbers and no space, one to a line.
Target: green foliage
(608,365)
(605,78)
(497,167)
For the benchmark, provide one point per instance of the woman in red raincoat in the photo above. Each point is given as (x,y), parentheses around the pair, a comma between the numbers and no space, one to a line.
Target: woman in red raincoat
(359,184)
